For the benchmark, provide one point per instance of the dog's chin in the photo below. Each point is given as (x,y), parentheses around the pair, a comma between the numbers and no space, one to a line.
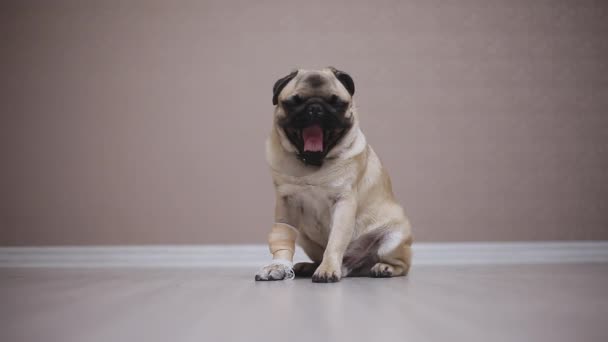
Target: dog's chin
(312,158)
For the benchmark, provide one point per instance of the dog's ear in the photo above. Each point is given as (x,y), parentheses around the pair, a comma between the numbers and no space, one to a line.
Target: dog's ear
(279,85)
(345,79)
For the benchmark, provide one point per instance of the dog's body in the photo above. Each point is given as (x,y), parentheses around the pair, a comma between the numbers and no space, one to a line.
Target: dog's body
(330,185)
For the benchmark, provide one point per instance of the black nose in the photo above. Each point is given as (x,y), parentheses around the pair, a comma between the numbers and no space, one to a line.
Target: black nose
(314,109)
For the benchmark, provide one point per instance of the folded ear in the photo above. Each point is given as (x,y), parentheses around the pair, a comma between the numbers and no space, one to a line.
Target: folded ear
(279,85)
(345,79)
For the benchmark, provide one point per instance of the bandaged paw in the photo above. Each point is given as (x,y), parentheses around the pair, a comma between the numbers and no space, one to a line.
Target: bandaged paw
(278,269)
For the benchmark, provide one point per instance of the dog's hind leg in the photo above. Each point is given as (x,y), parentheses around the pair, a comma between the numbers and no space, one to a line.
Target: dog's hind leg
(394,255)
(381,253)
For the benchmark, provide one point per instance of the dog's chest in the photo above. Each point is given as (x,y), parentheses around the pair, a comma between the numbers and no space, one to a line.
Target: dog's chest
(310,209)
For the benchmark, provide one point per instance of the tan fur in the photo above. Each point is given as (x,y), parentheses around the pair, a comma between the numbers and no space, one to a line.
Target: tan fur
(349,196)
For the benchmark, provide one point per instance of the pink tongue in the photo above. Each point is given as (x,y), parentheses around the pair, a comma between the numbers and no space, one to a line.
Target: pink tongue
(313,138)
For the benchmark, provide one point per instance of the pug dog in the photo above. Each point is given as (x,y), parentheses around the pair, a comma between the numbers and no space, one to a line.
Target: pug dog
(333,196)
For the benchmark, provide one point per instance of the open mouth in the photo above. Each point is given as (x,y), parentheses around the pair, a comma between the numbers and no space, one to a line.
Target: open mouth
(314,141)
(313,138)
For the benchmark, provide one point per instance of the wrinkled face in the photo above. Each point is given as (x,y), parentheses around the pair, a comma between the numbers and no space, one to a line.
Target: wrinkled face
(313,111)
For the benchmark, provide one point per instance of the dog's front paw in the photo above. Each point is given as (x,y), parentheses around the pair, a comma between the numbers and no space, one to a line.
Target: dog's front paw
(277,270)
(327,274)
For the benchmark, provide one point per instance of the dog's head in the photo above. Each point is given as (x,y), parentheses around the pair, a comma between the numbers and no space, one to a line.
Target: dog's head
(313,111)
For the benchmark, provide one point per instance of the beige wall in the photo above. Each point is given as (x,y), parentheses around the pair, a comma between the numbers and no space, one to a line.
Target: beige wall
(145,123)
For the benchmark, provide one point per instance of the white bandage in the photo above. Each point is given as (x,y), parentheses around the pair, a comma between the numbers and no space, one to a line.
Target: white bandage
(283,262)
(282,241)
(282,245)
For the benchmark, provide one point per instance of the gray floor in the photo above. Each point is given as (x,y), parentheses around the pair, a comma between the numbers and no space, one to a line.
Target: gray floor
(493,303)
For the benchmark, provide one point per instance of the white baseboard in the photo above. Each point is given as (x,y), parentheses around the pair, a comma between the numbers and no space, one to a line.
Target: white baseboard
(257,255)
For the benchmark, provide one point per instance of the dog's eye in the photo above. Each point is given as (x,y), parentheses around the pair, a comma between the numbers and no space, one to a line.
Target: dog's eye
(296,99)
(337,102)
(293,100)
